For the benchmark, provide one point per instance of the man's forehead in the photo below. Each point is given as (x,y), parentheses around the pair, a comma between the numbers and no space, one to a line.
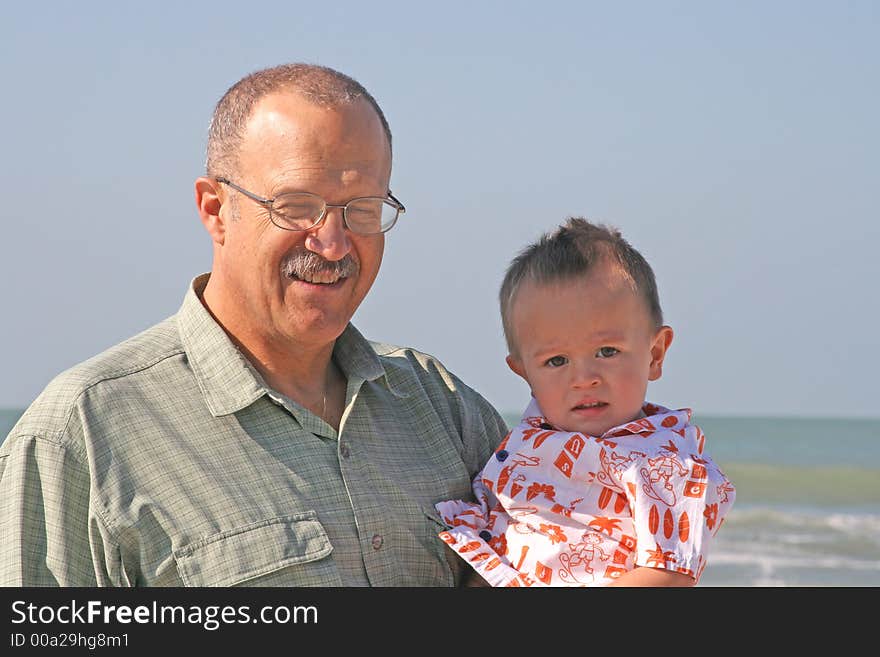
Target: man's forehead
(290,137)
(291,113)
(293,176)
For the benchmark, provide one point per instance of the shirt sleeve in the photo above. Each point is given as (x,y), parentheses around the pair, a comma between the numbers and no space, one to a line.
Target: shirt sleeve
(483,430)
(675,502)
(49,535)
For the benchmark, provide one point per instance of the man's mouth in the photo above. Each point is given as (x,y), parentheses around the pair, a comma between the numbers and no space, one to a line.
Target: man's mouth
(319,278)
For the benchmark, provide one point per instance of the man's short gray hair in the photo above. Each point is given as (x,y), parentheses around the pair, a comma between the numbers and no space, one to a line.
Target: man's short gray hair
(319,84)
(570,251)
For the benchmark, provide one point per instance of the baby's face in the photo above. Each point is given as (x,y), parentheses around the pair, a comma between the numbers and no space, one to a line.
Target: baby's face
(587,348)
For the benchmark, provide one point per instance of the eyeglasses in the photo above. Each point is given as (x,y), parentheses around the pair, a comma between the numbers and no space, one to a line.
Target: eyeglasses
(366,215)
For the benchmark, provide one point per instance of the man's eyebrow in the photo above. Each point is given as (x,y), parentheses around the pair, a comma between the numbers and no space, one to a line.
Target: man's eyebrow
(288,188)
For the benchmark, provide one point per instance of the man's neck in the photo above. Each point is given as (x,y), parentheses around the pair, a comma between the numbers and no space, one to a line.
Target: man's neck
(304,372)
(300,373)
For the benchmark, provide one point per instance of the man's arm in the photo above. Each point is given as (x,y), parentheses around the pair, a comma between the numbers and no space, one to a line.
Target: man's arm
(484,430)
(44,517)
(645,576)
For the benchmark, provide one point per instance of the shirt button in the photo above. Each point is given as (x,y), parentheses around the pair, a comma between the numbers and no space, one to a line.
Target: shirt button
(377,541)
(501,455)
(544,425)
(486,535)
(344,451)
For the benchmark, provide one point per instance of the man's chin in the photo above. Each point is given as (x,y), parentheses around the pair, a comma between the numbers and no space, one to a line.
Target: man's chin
(316,325)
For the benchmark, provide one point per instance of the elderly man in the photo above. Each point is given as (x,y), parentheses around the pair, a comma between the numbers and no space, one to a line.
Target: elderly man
(256,437)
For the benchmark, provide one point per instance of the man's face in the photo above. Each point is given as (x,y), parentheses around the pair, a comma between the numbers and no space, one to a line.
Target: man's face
(293,145)
(587,348)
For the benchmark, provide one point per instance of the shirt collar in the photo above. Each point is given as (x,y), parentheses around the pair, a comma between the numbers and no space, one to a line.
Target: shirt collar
(356,357)
(225,376)
(655,417)
(227,379)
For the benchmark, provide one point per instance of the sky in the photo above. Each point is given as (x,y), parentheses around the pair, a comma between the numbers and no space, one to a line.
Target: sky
(736,145)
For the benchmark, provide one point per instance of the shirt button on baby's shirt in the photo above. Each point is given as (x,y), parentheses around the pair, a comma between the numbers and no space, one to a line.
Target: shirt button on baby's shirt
(486,535)
(544,425)
(501,455)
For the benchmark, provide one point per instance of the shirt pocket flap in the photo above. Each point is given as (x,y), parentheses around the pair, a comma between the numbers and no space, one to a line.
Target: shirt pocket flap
(248,552)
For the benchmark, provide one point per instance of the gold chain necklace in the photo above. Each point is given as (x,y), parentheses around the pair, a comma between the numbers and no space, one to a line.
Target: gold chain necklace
(324,401)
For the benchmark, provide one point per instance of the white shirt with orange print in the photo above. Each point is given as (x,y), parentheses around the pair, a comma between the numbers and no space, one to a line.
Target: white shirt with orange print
(560,508)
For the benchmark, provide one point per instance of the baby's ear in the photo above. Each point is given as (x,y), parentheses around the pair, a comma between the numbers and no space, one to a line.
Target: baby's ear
(516,365)
(662,340)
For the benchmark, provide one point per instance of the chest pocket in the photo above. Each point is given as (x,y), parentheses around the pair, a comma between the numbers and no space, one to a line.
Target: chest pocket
(289,550)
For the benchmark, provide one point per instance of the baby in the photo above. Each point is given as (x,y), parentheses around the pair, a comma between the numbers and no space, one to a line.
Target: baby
(595,486)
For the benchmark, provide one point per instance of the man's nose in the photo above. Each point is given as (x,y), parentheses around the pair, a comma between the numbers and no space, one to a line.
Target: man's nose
(329,238)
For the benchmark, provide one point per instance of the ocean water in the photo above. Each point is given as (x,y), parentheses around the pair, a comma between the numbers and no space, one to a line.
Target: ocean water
(807,509)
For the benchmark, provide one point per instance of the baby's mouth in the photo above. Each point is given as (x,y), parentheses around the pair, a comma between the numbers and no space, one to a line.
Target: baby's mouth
(587,405)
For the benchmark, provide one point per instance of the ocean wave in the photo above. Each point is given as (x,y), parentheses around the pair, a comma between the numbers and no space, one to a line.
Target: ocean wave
(786,546)
(804,527)
(750,569)
(770,563)
(839,519)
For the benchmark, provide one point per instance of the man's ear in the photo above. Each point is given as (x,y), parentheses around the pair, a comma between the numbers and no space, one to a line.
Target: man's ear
(662,340)
(209,202)
(516,365)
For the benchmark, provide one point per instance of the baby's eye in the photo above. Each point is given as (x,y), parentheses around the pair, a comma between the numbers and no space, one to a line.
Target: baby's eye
(606,352)
(556,361)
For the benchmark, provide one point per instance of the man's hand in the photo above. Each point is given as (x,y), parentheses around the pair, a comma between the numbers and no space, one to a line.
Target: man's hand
(472,578)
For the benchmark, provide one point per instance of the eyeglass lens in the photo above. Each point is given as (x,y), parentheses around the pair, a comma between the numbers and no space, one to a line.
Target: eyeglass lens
(364,215)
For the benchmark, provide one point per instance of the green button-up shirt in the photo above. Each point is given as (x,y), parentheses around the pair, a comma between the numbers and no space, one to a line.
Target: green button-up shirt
(168,461)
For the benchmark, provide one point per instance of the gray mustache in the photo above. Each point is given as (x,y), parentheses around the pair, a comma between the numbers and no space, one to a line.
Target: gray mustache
(305,263)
